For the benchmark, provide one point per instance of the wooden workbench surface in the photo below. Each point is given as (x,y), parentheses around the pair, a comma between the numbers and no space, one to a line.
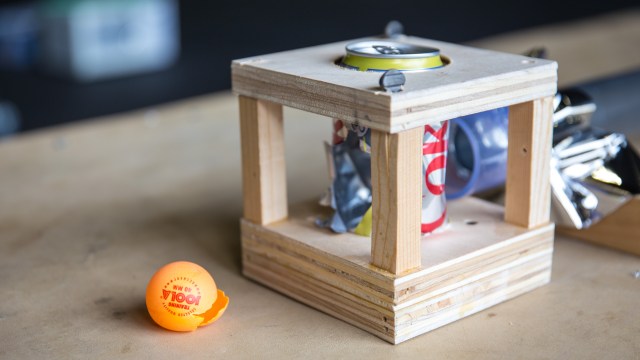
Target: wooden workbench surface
(88,213)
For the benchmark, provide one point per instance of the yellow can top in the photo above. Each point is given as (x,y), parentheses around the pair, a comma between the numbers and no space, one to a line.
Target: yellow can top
(384,55)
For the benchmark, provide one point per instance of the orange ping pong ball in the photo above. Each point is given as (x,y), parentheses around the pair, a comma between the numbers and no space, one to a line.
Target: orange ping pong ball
(181,296)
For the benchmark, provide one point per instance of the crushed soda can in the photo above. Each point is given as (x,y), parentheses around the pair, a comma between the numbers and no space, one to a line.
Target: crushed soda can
(349,165)
(593,172)
(349,161)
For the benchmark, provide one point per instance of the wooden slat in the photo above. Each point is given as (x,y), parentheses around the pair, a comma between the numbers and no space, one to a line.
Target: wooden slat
(397,198)
(528,192)
(263,163)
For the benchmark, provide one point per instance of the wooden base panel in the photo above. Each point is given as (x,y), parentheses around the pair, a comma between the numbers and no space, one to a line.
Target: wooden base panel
(465,269)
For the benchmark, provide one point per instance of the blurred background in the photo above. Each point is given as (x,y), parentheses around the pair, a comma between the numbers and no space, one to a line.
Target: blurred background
(69,60)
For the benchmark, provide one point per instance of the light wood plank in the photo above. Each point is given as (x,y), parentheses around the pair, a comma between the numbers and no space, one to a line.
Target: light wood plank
(475,81)
(528,192)
(619,230)
(264,184)
(397,199)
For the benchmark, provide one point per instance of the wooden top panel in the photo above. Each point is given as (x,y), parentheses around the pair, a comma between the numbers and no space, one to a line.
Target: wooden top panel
(474,81)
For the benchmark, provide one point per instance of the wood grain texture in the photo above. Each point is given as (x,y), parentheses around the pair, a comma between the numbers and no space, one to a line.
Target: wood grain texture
(264,186)
(458,278)
(476,80)
(619,230)
(397,199)
(528,192)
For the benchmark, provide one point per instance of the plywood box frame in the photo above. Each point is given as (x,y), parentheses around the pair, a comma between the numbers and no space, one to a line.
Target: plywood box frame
(398,284)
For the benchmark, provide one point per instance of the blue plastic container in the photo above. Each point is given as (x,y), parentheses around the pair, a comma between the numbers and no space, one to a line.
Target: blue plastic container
(477,159)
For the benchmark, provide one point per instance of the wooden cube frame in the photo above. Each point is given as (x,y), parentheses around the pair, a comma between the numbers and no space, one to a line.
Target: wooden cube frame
(398,284)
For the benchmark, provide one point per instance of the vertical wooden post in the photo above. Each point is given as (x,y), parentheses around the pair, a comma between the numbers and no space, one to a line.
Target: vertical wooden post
(528,192)
(264,184)
(396,164)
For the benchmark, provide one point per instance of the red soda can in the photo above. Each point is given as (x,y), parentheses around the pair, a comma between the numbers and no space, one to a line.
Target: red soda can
(434,164)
